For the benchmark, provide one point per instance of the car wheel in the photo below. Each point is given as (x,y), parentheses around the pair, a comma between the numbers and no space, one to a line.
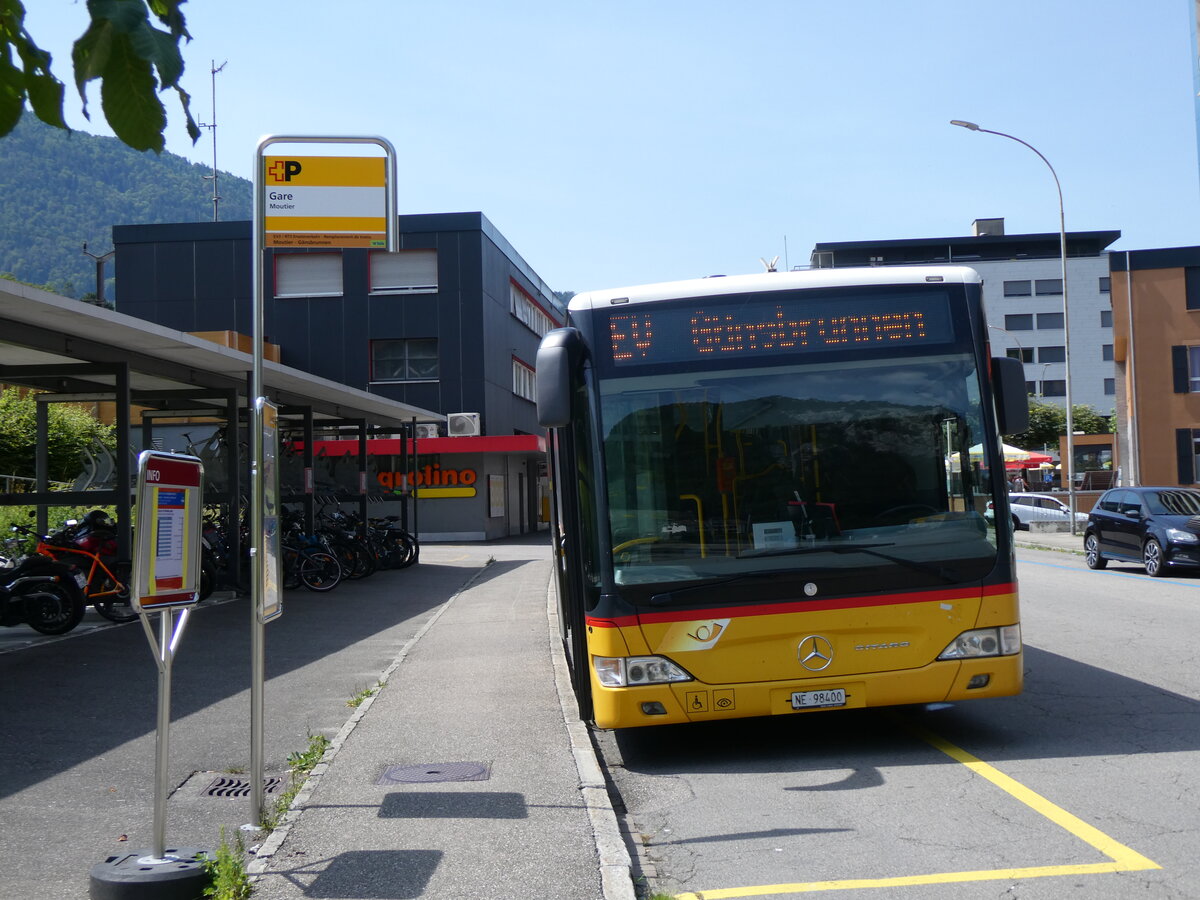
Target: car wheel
(1091,546)
(1152,559)
(1017,526)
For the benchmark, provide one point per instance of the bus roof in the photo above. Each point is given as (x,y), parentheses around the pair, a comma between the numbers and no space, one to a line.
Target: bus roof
(775,281)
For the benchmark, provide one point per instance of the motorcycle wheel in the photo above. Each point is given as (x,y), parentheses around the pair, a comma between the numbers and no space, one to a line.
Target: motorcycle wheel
(116,607)
(50,607)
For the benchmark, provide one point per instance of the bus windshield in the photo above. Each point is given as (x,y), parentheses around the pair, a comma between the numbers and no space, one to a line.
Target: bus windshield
(845,474)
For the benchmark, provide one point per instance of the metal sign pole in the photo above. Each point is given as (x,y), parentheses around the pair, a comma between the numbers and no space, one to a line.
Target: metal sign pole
(164,655)
(166,577)
(259,490)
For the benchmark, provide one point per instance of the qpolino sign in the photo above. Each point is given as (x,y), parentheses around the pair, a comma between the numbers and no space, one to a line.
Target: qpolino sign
(432,481)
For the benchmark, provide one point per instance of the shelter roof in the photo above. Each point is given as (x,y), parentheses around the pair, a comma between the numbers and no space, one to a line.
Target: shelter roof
(61,345)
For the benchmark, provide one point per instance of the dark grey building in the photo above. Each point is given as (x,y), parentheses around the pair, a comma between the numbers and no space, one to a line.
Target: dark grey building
(450,323)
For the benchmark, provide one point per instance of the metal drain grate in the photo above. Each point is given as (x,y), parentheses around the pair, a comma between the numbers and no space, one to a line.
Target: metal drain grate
(233,786)
(431,772)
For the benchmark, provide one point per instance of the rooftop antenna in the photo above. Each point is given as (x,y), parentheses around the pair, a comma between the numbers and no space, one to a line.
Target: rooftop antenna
(770,265)
(100,261)
(212,126)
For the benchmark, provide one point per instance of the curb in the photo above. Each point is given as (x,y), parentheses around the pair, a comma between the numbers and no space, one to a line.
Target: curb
(616,866)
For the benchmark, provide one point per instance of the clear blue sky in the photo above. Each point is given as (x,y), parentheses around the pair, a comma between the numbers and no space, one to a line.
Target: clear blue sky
(647,140)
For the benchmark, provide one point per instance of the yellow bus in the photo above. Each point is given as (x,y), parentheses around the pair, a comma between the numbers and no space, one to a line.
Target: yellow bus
(769,494)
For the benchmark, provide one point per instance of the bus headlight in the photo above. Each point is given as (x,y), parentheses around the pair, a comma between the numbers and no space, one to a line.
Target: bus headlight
(1003,641)
(630,670)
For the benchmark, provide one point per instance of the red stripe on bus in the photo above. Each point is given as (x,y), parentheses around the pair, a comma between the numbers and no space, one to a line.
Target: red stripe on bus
(774,609)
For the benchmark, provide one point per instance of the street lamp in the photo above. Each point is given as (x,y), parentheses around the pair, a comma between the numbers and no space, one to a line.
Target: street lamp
(1069,467)
(1042,389)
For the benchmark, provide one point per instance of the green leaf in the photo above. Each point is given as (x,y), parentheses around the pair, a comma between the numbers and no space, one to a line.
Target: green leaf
(127,95)
(12,98)
(167,12)
(46,98)
(90,56)
(185,99)
(123,15)
(160,48)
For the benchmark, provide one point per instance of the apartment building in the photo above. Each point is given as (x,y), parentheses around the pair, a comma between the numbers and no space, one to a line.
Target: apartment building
(1156,326)
(1023,295)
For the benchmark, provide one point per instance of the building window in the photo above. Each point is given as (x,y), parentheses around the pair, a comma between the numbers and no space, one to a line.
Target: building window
(1052,354)
(526,309)
(1017,289)
(1106,318)
(1185,369)
(1110,387)
(1024,354)
(406,272)
(408,359)
(1191,286)
(1187,454)
(1105,284)
(524,384)
(308,275)
(1049,321)
(1019,322)
(1054,389)
(1047,286)
(1106,352)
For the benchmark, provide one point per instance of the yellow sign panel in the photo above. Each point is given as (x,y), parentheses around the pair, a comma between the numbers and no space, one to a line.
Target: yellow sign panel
(325,201)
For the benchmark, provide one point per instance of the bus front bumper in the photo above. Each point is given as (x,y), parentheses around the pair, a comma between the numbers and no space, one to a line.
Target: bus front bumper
(693,701)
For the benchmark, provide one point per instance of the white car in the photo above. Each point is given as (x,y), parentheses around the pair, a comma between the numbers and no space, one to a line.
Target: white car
(1028,508)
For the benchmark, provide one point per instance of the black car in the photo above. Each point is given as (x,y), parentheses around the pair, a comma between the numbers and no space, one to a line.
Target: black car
(1155,526)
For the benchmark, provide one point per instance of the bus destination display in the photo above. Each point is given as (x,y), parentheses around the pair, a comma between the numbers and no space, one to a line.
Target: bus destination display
(736,327)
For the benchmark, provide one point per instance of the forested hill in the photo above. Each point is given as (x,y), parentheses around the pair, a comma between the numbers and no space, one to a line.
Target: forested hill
(60,189)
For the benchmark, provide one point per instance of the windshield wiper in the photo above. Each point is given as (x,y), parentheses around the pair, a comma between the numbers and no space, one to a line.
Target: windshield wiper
(870,550)
(668,596)
(949,576)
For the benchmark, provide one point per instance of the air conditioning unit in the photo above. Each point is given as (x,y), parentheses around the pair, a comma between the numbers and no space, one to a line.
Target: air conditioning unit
(427,430)
(463,424)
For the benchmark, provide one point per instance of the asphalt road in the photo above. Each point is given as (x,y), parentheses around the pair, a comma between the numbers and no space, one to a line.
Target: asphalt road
(1084,786)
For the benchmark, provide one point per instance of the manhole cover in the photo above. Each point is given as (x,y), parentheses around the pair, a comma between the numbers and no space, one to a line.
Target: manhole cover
(233,786)
(429,772)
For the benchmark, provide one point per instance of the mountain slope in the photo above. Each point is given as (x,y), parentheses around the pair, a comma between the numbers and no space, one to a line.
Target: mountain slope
(60,189)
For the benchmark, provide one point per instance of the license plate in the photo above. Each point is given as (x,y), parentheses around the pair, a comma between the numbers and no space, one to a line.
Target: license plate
(81,580)
(817,699)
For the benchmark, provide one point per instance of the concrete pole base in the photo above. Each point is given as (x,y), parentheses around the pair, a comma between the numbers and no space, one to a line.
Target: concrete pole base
(138,875)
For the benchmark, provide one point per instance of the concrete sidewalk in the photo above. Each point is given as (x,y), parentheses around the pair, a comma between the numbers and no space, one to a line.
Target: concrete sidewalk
(1062,541)
(467,775)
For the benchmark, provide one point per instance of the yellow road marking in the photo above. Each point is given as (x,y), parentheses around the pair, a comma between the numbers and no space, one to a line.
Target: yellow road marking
(1122,858)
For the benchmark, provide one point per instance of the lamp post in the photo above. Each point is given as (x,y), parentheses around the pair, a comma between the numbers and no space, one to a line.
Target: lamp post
(1042,389)
(1069,468)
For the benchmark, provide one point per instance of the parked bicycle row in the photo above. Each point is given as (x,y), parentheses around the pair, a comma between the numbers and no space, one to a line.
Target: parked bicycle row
(47,581)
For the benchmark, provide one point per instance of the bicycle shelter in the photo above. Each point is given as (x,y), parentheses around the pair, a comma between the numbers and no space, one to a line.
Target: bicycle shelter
(74,352)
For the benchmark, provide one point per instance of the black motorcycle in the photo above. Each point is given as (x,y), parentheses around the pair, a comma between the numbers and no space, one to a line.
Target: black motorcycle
(42,593)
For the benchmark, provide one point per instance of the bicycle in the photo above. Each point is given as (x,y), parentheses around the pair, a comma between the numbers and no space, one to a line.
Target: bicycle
(305,563)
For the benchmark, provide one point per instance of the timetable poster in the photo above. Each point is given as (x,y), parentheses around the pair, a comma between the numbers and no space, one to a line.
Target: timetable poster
(166,570)
(167,566)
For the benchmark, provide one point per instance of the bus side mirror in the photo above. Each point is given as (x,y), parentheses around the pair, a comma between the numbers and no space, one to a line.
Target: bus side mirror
(1012,398)
(557,358)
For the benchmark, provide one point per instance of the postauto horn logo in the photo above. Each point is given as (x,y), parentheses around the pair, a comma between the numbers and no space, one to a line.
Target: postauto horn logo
(283,170)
